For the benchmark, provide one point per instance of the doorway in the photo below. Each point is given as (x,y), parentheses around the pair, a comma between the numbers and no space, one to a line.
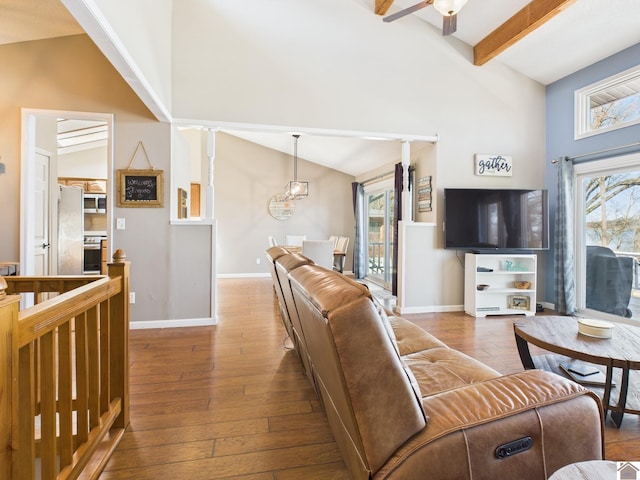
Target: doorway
(74,140)
(379,201)
(608,237)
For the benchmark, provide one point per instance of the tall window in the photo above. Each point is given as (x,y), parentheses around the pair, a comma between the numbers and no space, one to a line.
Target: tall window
(608,237)
(609,104)
(379,201)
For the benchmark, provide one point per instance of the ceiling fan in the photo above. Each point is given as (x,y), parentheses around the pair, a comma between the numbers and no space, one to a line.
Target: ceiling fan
(448,9)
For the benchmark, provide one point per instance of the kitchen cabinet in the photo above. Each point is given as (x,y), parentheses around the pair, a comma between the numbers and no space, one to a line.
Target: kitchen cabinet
(89,185)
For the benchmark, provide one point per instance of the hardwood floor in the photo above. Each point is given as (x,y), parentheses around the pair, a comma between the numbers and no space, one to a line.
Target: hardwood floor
(230,402)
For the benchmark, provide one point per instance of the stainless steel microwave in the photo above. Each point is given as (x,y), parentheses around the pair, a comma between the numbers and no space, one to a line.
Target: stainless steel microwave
(95,203)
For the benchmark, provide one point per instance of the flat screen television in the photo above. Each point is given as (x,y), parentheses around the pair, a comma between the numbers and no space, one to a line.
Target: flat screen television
(496,219)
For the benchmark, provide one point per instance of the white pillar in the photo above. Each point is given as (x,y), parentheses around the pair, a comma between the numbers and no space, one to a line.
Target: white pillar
(406,195)
(211,155)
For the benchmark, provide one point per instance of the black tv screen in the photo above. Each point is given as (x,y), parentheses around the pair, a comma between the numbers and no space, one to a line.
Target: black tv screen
(495,219)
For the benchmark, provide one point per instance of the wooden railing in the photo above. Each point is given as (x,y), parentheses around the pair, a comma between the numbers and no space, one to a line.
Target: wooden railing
(64,383)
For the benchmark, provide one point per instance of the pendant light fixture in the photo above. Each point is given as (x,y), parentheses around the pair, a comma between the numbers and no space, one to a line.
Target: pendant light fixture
(295,190)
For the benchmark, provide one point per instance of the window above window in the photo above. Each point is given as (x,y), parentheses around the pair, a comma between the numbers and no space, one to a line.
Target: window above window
(608,105)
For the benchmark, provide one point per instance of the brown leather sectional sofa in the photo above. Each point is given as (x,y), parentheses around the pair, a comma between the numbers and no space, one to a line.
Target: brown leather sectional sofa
(403,405)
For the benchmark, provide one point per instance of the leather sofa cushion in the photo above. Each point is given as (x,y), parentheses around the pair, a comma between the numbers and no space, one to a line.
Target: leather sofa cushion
(468,423)
(274,253)
(411,338)
(363,375)
(441,368)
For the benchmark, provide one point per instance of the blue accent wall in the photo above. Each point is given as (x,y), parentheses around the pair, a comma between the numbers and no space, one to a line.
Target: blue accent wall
(560,131)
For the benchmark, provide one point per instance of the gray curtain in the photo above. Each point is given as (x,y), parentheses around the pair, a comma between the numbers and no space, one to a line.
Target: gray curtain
(397,217)
(359,260)
(564,240)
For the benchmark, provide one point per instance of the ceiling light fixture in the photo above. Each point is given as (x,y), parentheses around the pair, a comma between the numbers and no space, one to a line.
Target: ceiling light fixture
(449,10)
(295,190)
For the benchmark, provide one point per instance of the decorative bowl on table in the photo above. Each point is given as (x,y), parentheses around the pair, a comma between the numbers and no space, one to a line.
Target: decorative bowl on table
(595,328)
(521,284)
(482,286)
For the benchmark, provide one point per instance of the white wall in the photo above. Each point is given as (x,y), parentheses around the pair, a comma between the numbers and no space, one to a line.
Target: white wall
(334,64)
(276,63)
(170,270)
(136,38)
(247,176)
(91,163)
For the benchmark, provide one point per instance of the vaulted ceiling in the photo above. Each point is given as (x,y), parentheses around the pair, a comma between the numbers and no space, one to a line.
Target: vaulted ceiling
(543,39)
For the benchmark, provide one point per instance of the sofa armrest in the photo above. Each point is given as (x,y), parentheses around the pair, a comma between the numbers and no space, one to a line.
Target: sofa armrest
(467,425)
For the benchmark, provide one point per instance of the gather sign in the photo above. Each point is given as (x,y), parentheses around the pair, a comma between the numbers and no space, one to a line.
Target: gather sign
(493,165)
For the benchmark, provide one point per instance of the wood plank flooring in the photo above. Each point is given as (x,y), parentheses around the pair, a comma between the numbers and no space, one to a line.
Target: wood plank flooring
(230,402)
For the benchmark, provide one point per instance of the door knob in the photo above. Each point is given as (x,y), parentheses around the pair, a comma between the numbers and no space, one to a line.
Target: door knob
(46,245)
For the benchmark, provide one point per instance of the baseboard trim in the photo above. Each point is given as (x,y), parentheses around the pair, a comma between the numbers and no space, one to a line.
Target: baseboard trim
(243,275)
(177,323)
(430,309)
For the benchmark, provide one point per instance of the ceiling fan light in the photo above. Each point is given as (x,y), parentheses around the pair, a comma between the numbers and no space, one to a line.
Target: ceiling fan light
(449,7)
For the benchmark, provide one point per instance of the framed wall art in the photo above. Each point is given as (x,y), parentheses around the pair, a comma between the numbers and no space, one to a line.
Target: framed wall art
(519,302)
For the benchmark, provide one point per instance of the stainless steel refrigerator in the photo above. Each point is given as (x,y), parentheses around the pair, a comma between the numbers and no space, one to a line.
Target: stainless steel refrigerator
(70,231)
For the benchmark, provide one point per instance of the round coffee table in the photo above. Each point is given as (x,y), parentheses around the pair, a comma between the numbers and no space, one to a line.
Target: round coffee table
(559,335)
(590,470)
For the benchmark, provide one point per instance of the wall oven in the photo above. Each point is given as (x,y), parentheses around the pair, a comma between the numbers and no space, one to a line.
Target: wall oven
(93,253)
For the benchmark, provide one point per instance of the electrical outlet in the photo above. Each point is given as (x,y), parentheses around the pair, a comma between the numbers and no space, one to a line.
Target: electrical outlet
(258,261)
(132,297)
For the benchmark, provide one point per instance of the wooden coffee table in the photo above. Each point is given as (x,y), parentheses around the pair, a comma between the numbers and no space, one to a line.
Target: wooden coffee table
(619,355)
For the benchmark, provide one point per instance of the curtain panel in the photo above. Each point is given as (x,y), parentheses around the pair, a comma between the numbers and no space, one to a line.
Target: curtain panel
(564,239)
(359,258)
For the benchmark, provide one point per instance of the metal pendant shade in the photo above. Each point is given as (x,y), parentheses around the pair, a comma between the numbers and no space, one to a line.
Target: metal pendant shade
(295,190)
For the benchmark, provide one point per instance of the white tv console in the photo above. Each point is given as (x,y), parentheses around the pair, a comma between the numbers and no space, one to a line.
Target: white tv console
(499,272)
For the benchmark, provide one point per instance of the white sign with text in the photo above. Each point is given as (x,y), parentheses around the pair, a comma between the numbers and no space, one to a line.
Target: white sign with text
(494,165)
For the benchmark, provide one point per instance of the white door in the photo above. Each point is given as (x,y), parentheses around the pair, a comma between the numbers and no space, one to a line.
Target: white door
(379,202)
(42,204)
(608,238)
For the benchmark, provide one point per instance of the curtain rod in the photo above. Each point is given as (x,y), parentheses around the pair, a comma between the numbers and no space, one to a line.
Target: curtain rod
(575,157)
(378,177)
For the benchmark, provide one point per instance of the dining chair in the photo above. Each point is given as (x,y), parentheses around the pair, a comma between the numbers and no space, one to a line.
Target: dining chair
(320,251)
(272,241)
(334,239)
(340,253)
(295,240)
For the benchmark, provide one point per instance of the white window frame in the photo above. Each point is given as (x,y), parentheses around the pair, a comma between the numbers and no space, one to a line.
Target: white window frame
(606,166)
(582,98)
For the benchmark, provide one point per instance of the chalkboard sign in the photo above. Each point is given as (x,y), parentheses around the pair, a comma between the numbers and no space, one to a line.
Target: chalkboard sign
(140,188)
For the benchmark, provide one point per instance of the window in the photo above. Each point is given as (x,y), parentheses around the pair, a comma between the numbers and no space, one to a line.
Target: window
(608,105)
(608,239)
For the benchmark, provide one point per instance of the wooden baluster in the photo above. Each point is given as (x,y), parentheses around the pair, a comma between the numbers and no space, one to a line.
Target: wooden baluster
(48,433)
(120,337)
(25,411)
(93,367)
(105,359)
(65,394)
(8,371)
(82,379)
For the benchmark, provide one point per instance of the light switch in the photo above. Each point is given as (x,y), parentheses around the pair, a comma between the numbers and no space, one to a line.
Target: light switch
(120,224)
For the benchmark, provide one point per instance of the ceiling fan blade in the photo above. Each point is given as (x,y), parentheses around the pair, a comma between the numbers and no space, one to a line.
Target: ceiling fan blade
(449,24)
(407,11)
